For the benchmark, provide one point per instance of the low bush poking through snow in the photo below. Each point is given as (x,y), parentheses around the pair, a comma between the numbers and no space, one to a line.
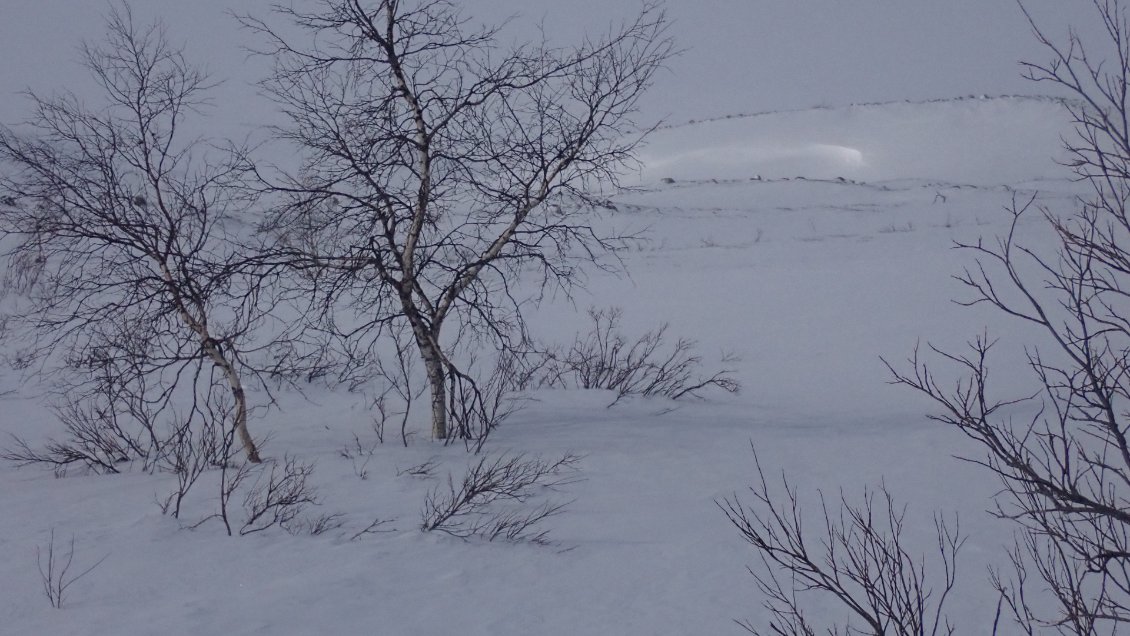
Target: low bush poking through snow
(647,366)
(278,497)
(55,569)
(857,556)
(500,498)
(117,422)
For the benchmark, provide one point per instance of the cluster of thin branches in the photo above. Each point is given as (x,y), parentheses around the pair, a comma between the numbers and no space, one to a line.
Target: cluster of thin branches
(117,420)
(274,494)
(278,497)
(603,358)
(480,403)
(500,497)
(857,557)
(1062,452)
(55,569)
(195,448)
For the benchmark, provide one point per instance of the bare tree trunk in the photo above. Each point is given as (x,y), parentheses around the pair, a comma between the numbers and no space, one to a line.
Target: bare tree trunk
(238,396)
(427,341)
(437,380)
(216,355)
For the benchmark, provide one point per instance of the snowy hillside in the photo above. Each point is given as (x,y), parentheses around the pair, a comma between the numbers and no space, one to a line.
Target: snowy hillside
(972,141)
(809,243)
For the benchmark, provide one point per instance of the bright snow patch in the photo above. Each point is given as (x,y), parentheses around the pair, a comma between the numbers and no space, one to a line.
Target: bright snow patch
(977,141)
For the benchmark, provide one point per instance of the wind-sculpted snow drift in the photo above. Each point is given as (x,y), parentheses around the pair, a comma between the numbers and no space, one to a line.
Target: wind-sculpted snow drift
(974,140)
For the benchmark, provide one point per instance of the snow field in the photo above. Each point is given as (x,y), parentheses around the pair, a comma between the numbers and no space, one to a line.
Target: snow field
(840,253)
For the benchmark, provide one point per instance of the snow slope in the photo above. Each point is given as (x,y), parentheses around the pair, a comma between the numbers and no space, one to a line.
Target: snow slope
(974,141)
(839,252)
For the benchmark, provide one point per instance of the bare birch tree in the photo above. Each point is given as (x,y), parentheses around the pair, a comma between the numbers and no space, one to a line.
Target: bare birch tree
(433,155)
(1065,469)
(123,227)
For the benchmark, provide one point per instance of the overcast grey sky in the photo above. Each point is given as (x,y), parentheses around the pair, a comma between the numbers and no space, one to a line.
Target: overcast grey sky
(741,55)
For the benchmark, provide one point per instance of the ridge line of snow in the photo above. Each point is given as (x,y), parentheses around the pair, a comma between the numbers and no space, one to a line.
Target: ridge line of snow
(822,107)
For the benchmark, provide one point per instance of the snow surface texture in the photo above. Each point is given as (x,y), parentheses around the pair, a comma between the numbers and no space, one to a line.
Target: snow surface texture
(810,243)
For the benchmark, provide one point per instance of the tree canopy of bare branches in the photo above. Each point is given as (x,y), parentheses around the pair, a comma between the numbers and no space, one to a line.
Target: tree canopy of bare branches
(856,556)
(124,251)
(1065,464)
(438,163)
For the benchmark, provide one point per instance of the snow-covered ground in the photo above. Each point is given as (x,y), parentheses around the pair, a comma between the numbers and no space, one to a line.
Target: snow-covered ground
(809,243)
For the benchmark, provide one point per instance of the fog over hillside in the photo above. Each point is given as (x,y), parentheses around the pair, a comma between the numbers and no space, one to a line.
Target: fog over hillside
(740,55)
